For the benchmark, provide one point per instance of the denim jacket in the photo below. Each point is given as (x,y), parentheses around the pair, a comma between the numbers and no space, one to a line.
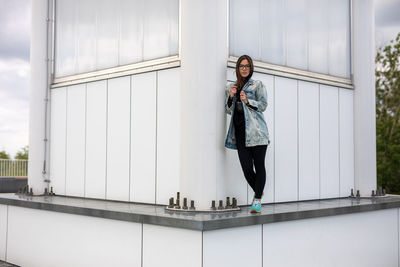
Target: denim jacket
(256,127)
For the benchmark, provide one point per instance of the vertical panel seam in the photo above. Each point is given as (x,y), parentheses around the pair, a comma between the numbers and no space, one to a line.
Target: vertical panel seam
(339,138)
(130,137)
(84,165)
(202,248)
(319,139)
(141,258)
(106,165)
(66,140)
(156,146)
(262,245)
(8,218)
(298,176)
(274,85)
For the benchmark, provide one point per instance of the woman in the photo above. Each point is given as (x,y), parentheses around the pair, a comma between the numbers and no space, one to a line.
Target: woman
(246,100)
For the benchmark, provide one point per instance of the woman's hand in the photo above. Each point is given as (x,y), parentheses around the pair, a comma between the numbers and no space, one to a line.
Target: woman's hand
(243,97)
(232,91)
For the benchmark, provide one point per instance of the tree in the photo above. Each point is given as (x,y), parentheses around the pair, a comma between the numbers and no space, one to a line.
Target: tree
(388,116)
(4,155)
(22,153)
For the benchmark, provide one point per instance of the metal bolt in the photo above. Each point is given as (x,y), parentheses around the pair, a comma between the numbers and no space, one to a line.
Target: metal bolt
(228,203)
(171,202)
(178,196)
(46,192)
(51,191)
(358,193)
(221,205)
(373,193)
(177,205)
(192,205)
(352,193)
(185,207)
(31,192)
(234,203)
(213,205)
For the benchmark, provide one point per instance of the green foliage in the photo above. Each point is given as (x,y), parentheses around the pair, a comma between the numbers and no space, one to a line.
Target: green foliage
(22,153)
(4,155)
(388,116)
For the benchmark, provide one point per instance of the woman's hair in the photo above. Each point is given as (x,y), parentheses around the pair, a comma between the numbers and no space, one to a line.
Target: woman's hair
(241,81)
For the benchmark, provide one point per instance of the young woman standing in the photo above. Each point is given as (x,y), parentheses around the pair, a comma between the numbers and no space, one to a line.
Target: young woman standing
(246,100)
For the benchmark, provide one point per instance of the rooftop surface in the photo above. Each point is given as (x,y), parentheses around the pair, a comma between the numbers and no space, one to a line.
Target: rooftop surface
(158,215)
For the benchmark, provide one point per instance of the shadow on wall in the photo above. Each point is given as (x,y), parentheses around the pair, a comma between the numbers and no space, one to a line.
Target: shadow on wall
(12,184)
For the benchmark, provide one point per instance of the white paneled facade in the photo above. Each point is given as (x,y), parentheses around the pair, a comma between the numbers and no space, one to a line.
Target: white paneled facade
(336,239)
(343,240)
(58,139)
(167,246)
(119,139)
(95,35)
(96,139)
(143,137)
(221,247)
(76,134)
(311,35)
(70,240)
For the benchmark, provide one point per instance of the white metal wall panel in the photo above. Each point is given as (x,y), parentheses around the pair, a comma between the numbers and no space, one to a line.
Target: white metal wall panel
(329,142)
(96,134)
(234,247)
(308,140)
(364,239)
(57,239)
(143,137)
(118,139)
(346,124)
(234,183)
(58,133)
(167,246)
(268,81)
(75,151)
(3,231)
(168,134)
(286,179)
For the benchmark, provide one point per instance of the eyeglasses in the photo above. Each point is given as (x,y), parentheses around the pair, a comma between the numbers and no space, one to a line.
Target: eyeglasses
(243,67)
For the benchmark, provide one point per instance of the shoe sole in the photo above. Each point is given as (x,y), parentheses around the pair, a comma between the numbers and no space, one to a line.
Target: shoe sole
(254,211)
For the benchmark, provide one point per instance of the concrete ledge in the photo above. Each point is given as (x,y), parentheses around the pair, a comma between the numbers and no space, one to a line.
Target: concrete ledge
(157,215)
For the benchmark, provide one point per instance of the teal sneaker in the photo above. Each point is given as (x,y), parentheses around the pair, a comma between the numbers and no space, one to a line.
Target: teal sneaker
(256,206)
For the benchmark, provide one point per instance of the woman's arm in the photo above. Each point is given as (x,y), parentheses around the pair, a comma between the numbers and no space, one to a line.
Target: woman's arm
(228,108)
(261,98)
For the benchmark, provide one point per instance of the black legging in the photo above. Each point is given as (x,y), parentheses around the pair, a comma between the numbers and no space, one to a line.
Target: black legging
(246,157)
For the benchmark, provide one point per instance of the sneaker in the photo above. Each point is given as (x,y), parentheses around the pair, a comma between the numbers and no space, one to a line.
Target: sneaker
(256,206)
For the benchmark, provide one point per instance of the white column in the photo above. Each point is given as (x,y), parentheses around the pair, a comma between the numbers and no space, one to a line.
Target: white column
(38,87)
(364,96)
(204,59)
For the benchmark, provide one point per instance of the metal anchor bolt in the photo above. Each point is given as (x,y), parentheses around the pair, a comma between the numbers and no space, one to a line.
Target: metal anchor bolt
(185,207)
(213,205)
(31,192)
(358,193)
(373,193)
(221,205)
(352,193)
(171,202)
(192,205)
(234,203)
(228,203)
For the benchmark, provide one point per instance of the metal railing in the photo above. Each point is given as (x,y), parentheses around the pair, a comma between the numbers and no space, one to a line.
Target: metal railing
(13,168)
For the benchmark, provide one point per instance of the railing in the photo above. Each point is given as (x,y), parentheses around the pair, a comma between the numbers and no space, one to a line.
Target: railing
(13,168)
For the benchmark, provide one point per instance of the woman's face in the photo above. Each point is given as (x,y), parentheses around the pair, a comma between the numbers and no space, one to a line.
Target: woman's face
(244,68)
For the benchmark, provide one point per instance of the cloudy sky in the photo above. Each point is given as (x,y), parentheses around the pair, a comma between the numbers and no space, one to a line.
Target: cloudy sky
(14,64)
